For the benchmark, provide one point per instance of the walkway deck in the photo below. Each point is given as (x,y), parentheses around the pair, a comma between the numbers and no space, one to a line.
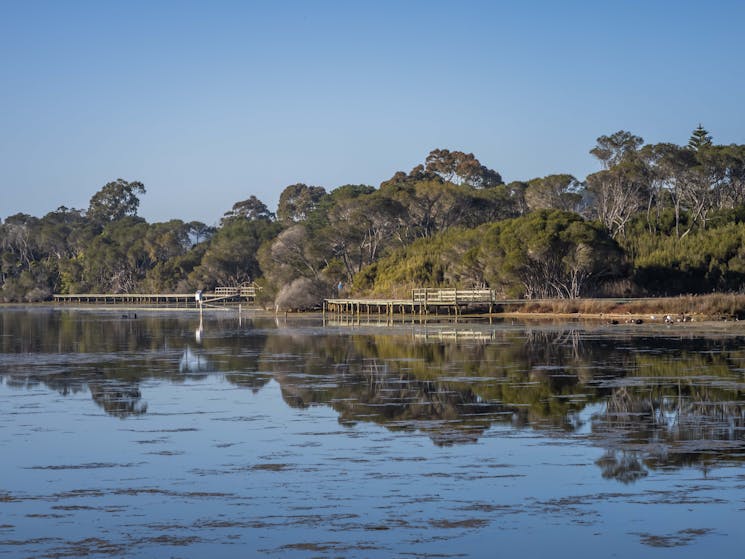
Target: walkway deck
(422,301)
(181,300)
(171,299)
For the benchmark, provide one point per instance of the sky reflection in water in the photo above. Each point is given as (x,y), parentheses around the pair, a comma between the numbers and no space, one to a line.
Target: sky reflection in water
(130,438)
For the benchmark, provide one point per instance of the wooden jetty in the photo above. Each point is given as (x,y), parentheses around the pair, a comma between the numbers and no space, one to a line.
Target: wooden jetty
(183,300)
(423,301)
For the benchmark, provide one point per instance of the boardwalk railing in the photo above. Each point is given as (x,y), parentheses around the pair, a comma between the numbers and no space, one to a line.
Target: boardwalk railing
(422,302)
(434,296)
(166,299)
(248,291)
(221,294)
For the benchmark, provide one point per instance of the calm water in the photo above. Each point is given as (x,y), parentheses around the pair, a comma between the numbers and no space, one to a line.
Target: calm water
(144,438)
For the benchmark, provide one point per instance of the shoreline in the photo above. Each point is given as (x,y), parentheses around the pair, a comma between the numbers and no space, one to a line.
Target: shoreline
(686,309)
(626,323)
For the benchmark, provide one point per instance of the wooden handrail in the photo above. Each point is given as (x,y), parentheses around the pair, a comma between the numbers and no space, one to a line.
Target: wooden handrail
(452,295)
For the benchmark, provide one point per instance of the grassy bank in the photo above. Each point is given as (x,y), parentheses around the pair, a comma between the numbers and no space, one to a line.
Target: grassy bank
(716,306)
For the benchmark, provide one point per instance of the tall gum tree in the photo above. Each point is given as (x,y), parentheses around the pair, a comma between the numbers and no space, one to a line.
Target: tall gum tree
(117,199)
(620,189)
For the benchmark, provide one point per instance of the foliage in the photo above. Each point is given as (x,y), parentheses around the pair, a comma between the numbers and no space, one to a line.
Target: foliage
(700,138)
(461,168)
(560,192)
(302,294)
(251,209)
(231,256)
(298,201)
(115,200)
(655,219)
(424,263)
(550,254)
(707,260)
(544,254)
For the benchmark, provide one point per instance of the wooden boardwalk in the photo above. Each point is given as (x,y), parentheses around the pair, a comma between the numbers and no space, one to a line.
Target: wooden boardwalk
(180,300)
(423,301)
(167,299)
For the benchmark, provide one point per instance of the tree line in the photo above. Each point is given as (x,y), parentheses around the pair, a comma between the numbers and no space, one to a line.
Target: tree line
(655,219)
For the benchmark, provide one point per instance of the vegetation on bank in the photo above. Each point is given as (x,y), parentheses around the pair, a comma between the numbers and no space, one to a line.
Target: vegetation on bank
(655,220)
(684,308)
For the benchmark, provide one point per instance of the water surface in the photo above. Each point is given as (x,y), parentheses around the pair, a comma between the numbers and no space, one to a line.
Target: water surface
(142,437)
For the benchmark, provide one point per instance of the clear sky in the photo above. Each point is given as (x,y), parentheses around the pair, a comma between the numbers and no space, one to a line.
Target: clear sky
(210,102)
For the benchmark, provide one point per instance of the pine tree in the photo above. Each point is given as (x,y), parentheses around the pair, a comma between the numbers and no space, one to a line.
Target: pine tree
(700,138)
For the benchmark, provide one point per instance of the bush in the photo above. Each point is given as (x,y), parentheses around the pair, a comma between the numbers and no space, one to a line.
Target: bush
(303,294)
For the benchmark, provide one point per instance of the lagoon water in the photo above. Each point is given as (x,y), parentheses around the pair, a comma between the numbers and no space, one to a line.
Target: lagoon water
(148,437)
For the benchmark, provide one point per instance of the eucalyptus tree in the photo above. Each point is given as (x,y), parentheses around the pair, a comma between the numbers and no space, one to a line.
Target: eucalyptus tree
(359,228)
(431,206)
(199,232)
(298,201)
(115,200)
(557,192)
(623,187)
(461,168)
(723,167)
(549,253)
(289,256)
(251,209)
(618,194)
(612,149)
(19,238)
(684,182)
(114,261)
(166,240)
(19,255)
(545,254)
(64,233)
(695,180)
(515,193)
(231,254)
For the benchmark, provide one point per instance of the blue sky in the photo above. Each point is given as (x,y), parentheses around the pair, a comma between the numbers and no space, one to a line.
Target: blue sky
(208,103)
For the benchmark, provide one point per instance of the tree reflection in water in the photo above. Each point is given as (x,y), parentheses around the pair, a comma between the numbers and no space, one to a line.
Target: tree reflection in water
(118,398)
(649,398)
(625,466)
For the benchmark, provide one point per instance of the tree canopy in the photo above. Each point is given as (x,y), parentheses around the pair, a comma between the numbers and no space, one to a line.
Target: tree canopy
(653,219)
(115,200)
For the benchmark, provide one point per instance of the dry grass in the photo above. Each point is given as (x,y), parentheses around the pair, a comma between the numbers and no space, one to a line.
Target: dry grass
(717,306)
